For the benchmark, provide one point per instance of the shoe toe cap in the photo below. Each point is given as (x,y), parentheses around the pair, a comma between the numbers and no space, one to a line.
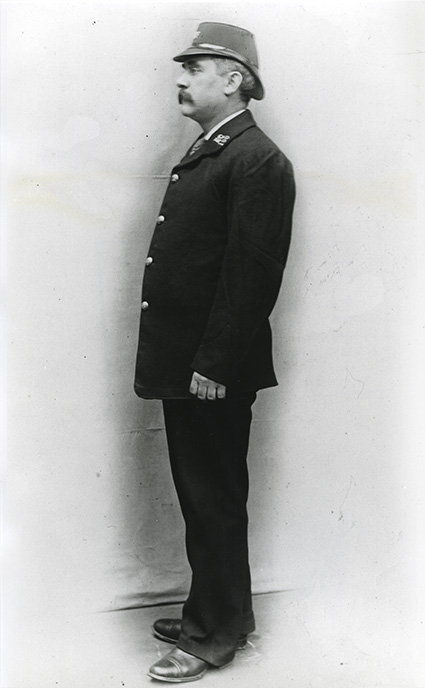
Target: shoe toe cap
(178,666)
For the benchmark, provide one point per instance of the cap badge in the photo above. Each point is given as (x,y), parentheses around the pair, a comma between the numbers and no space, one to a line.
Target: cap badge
(221,139)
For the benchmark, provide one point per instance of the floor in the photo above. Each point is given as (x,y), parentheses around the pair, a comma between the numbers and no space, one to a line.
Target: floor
(115,650)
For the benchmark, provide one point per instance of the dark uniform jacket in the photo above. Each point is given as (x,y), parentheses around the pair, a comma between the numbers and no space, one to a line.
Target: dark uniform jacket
(215,266)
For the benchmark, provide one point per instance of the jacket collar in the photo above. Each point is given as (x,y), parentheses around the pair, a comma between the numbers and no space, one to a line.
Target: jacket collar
(221,138)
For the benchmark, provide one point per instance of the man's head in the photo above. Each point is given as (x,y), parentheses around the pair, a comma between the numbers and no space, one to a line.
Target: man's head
(220,73)
(210,88)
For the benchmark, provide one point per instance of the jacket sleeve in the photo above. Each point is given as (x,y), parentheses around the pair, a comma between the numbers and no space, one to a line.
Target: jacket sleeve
(260,205)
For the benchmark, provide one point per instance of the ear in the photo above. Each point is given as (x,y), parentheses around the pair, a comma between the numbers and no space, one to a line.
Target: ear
(234,80)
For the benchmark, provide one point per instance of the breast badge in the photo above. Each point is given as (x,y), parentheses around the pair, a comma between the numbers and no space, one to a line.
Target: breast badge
(221,139)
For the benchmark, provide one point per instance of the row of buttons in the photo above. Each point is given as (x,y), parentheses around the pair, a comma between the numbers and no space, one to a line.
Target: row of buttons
(149,260)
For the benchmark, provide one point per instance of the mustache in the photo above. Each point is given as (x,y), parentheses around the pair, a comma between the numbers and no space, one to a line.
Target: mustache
(184,97)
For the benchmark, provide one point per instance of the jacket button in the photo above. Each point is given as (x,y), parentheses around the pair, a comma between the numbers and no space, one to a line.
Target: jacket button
(174,178)
(145,305)
(160,220)
(149,260)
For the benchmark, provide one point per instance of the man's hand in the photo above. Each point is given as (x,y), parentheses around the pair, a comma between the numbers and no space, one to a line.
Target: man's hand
(204,388)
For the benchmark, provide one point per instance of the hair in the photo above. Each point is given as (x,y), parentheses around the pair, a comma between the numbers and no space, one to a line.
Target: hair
(248,83)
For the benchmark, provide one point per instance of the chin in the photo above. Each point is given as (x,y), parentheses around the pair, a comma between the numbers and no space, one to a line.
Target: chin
(187,110)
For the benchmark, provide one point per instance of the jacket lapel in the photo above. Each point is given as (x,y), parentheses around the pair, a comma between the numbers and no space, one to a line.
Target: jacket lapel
(221,138)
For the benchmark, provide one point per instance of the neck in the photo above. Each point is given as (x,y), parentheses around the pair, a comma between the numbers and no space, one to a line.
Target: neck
(211,122)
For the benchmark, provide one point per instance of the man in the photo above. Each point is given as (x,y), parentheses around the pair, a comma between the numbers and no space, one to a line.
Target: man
(212,277)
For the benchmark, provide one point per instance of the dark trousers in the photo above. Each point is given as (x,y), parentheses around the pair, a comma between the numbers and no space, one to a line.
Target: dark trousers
(208,445)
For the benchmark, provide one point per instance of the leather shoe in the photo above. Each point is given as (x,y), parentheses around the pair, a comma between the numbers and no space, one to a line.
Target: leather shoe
(178,667)
(169,631)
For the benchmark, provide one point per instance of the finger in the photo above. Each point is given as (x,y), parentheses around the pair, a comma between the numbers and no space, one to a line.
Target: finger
(221,392)
(202,391)
(193,389)
(211,393)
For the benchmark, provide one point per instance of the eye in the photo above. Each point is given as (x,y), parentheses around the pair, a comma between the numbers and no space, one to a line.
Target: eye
(192,68)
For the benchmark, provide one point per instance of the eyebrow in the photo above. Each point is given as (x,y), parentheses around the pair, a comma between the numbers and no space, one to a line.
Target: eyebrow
(192,62)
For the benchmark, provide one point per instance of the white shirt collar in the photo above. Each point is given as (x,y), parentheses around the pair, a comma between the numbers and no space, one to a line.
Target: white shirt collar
(223,121)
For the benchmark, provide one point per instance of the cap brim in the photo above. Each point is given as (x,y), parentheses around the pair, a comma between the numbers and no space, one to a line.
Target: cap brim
(258,93)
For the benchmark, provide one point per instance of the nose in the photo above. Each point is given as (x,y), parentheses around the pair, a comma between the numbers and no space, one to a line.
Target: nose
(182,81)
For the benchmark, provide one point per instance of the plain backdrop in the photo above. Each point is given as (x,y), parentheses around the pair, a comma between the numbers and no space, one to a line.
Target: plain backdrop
(91,131)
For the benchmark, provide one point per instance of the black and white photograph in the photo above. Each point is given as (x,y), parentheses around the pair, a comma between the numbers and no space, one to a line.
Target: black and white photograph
(213,344)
